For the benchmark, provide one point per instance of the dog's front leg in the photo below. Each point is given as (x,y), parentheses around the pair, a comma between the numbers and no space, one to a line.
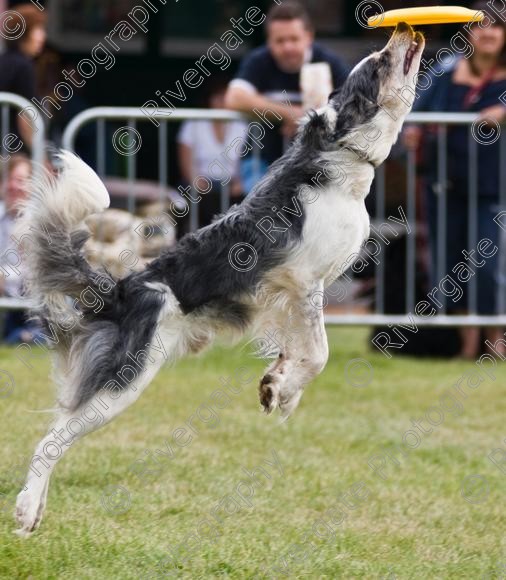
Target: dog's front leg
(304,354)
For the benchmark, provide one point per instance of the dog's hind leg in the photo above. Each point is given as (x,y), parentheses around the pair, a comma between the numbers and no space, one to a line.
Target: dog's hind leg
(304,355)
(66,430)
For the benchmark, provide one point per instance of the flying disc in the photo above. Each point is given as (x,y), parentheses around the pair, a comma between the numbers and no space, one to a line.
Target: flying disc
(427,15)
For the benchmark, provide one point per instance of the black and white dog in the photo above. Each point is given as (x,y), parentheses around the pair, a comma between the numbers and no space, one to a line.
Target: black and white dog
(196,290)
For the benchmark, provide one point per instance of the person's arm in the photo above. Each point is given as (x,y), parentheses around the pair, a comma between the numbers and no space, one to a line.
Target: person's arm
(236,189)
(25,131)
(494,113)
(185,143)
(239,98)
(185,158)
(245,92)
(245,101)
(187,140)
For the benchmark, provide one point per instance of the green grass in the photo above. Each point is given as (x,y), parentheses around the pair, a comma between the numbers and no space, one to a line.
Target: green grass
(415,524)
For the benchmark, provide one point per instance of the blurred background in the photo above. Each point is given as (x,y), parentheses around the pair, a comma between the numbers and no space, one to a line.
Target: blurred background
(446,175)
(180,33)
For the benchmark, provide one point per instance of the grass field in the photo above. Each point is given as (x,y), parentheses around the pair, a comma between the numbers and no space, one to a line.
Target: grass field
(322,503)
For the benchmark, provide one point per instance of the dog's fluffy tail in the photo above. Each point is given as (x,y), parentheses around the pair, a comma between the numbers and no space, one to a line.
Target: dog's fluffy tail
(51,235)
(84,313)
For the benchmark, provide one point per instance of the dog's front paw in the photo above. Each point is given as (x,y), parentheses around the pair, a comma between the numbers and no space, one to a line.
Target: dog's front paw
(269,393)
(27,514)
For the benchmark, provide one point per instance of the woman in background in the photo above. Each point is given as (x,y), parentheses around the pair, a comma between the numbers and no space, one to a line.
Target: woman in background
(17,71)
(200,143)
(473,84)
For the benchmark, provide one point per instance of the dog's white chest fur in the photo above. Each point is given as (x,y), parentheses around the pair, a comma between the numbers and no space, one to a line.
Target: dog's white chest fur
(335,228)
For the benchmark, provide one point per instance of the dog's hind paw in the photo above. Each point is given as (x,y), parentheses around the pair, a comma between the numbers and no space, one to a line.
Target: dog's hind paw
(28,515)
(269,393)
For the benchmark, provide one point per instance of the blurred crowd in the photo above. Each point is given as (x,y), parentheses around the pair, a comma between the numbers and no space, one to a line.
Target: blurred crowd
(278,82)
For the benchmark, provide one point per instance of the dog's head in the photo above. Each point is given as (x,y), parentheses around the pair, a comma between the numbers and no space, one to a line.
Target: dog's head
(367,112)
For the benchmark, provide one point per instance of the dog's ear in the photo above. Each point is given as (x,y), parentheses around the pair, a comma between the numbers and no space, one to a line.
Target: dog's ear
(355,102)
(316,131)
(355,111)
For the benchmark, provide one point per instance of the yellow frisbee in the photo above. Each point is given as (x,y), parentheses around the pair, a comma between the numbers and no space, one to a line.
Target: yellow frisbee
(428,15)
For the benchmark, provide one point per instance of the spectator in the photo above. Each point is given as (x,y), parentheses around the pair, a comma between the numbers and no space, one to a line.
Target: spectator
(16,326)
(17,72)
(269,78)
(200,145)
(467,85)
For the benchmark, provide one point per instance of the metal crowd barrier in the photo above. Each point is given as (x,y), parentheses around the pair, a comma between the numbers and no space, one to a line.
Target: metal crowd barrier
(132,115)
(8,101)
(377,315)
